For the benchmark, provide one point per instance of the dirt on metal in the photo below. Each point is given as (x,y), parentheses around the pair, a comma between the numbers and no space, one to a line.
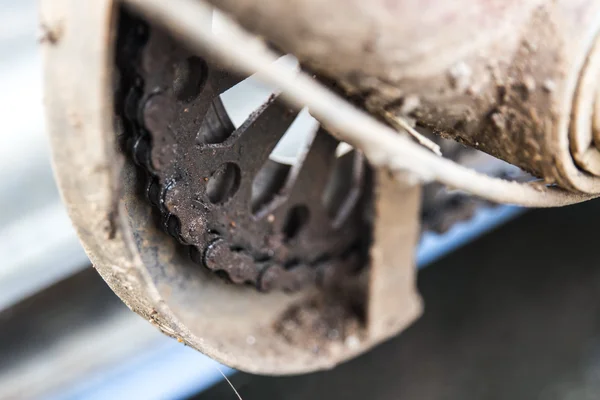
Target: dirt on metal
(312,323)
(241,214)
(516,79)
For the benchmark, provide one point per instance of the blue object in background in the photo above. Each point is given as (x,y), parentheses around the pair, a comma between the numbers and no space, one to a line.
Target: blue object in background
(168,371)
(433,246)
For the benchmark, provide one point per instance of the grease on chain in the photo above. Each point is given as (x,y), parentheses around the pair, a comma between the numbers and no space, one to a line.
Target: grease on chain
(144,112)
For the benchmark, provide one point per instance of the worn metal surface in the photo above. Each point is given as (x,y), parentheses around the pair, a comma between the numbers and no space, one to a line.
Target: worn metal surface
(260,222)
(393,301)
(193,177)
(236,325)
(516,79)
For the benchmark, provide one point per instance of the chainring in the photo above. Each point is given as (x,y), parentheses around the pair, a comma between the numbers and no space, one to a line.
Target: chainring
(246,217)
(254,220)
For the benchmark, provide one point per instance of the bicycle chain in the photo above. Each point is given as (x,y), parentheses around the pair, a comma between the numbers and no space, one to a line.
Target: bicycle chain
(266,270)
(240,264)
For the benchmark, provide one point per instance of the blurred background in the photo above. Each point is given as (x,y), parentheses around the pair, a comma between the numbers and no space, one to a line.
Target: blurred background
(511,314)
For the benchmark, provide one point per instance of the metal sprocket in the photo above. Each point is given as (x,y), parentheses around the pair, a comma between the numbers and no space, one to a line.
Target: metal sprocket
(264,223)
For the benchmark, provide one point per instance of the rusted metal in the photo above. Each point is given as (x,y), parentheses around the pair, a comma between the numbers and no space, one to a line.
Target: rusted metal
(205,176)
(150,271)
(381,144)
(133,247)
(516,79)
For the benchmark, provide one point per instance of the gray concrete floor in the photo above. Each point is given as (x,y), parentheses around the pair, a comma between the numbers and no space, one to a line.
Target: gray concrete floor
(514,315)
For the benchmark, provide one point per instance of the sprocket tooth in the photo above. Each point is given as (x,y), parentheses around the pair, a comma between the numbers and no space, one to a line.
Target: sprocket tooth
(239,265)
(200,170)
